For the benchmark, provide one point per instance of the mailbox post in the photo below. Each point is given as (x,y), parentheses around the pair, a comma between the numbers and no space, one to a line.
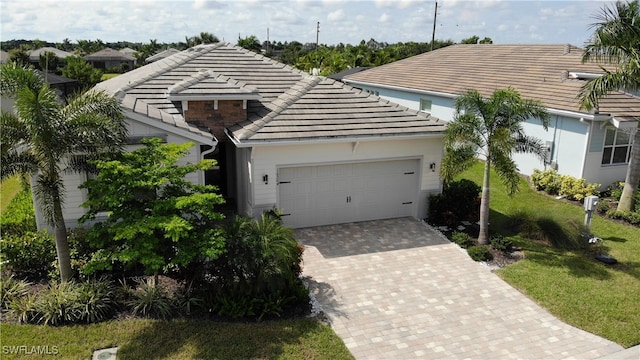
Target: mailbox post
(590,205)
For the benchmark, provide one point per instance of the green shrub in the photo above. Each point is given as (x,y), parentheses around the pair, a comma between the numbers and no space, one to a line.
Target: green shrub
(258,274)
(572,188)
(11,289)
(500,243)
(632,218)
(19,217)
(459,201)
(98,300)
(480,253)
(547,181)
(615,190)
(31,255)
(23,309)
(462,239)
(149,299)
(576,189)
(58,305)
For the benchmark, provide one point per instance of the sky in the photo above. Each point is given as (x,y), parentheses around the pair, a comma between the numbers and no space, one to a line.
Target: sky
(341,21)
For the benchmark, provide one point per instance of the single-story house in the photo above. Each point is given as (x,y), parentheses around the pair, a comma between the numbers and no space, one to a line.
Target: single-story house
(109,58)
(592,145)
(320,151)
(34,55)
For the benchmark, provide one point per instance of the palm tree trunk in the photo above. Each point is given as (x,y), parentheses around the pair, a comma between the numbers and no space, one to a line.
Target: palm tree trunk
(633,176)
(483,236)
(62,245)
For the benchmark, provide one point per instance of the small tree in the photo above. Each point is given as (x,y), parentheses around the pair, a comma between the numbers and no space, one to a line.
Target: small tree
(157,218)
(79,69)
(491,127)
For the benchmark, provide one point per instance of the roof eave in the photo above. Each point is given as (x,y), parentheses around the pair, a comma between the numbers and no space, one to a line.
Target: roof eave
(240,143)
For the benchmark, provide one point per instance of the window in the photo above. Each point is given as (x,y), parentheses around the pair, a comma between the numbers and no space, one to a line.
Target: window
(617,147)
(425,105)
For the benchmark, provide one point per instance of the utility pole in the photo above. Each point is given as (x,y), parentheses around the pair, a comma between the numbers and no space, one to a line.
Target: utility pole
(433,34)
(317,34)
(267,40)
(317,37)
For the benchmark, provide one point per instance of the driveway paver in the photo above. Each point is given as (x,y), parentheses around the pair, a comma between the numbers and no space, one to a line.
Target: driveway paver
(396,289)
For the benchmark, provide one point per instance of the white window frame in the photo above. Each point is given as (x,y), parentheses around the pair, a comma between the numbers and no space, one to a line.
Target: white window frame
(614,145)
(425,105)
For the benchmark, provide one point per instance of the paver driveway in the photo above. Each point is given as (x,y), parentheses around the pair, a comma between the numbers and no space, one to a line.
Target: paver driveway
(395,289)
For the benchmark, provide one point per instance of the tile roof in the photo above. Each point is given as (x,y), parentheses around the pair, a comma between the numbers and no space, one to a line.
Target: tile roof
(161,55)
(34,55)
(292,105)
(537,71)
(109,54)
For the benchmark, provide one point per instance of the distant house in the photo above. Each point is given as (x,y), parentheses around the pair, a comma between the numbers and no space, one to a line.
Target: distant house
(161,55)
(591,145)
(34,55)
(320,151)
(129,51)
(109,58)
(64,87)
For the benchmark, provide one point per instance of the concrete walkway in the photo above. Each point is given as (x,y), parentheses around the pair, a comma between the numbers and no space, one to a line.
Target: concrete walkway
(395,289)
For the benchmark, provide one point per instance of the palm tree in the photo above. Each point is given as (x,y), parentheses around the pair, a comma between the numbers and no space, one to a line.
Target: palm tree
(46,138)
(491,128)
(616,40)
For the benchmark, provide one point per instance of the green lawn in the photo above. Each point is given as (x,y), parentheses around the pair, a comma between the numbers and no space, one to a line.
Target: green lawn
(108,76)
(182,339)
(8,189)
(601,299)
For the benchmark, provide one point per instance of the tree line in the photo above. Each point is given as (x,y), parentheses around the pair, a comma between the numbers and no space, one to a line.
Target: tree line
(328,59)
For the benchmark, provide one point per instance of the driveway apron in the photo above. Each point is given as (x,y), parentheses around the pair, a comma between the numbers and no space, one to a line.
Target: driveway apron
(397,289)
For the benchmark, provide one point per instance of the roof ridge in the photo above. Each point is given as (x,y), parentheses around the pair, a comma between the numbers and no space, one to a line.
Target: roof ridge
(282,102)
(163,65)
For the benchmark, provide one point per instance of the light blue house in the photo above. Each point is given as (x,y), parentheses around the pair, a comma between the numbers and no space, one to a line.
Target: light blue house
(592,145)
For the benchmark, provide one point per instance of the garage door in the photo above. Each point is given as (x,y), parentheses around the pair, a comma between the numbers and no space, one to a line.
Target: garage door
(334,194)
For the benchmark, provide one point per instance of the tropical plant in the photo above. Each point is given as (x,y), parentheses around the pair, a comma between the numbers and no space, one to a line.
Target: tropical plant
(80,69)
(616,41)
(157,218)
(46,138)
(492,128)
(150,299)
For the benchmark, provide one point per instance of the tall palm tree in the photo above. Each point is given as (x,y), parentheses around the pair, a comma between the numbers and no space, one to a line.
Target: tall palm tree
(492,128)
(46,138)
(616,40)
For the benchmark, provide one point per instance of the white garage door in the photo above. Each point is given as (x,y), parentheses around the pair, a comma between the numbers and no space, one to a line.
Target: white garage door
(334,194)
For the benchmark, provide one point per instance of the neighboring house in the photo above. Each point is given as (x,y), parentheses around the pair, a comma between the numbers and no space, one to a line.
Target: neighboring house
(109,58)
(340,75)
(161,55)
(316,149)
(34,55)
(129,51)
(64,87)
(591,145)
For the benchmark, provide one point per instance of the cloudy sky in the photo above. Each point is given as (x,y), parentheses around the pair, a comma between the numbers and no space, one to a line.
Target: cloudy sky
(341,21)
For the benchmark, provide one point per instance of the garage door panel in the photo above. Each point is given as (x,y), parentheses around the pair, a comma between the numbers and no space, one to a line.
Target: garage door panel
(331,194)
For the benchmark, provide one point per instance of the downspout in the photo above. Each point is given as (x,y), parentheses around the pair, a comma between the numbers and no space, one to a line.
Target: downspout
(202,155)
(553,144)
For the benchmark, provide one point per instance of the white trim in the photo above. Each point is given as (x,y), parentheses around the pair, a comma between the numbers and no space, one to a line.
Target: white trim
(401,88)
(330,141)
(623,124)
(187,97)
(157,123)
